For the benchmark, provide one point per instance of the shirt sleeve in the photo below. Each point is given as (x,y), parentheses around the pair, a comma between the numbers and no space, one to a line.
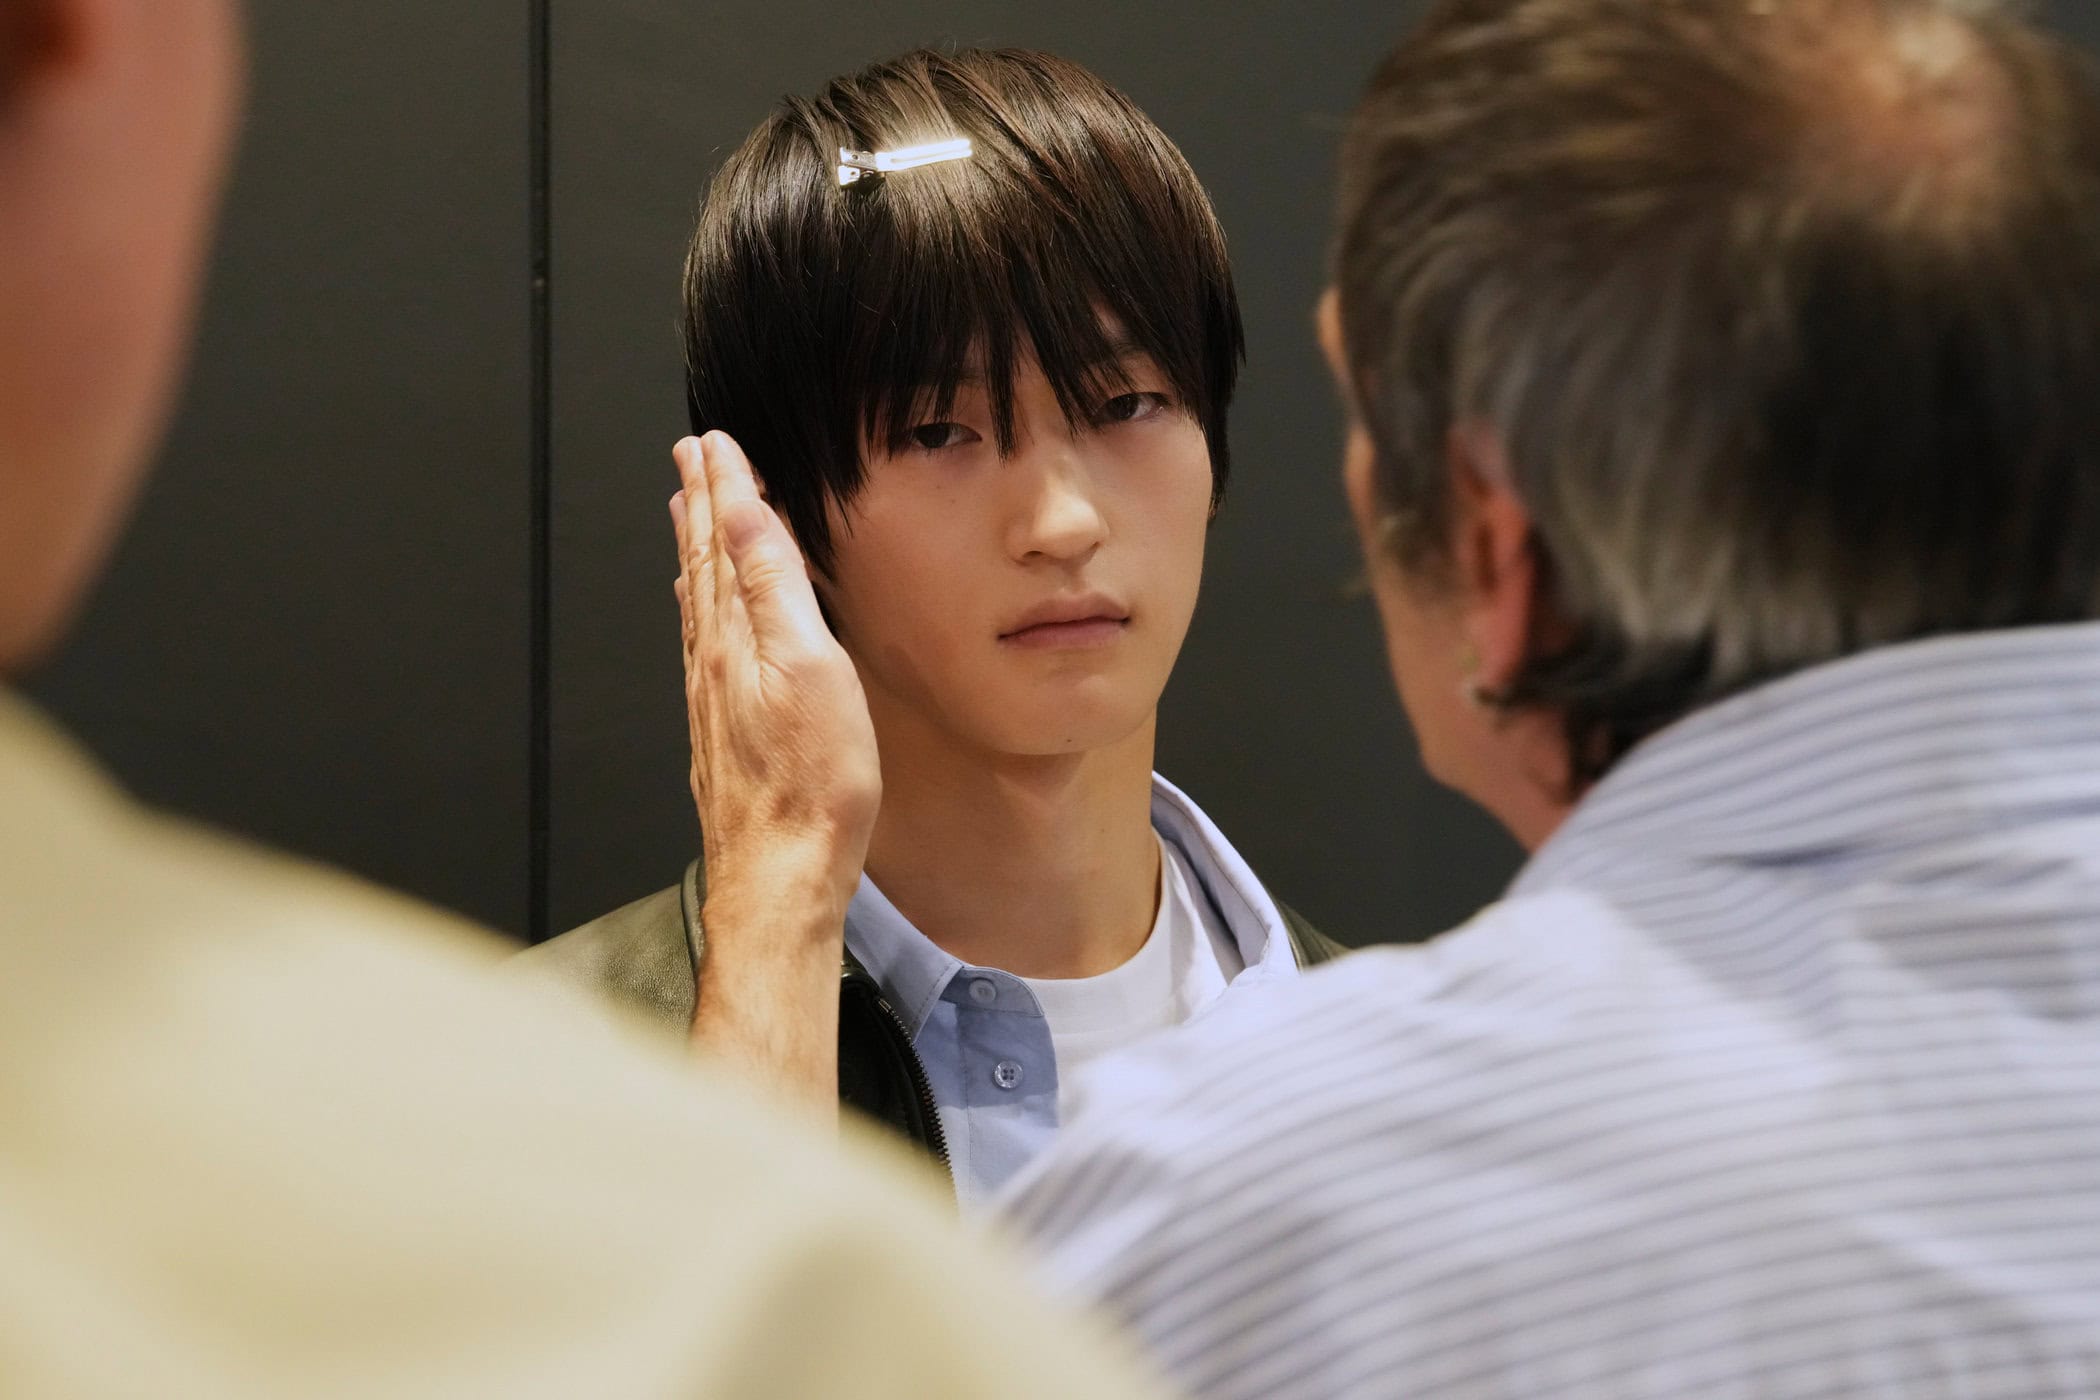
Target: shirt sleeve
(1129,1193)
(877,1312)
(1177,1202)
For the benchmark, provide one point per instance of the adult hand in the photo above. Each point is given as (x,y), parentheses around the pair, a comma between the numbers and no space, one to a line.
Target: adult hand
(784,773)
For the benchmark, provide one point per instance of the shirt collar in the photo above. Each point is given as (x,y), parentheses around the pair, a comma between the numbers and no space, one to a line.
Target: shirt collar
(1968,731)
(911,968)
(913,971)
(1225,879)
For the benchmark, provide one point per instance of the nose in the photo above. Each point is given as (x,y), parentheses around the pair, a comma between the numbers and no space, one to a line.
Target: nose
(1057,517)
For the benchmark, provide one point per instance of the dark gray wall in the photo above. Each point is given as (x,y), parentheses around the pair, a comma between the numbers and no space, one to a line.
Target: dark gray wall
(320,628)
(1280,719)
(316,629)
(2078,18)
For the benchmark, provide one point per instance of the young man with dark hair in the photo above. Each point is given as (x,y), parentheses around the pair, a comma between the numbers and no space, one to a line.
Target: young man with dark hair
(988,394)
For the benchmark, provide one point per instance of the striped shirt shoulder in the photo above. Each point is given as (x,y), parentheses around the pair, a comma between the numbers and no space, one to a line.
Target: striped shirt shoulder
(1538,1156)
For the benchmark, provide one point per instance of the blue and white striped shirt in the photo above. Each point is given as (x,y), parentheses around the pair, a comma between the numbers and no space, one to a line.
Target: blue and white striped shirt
(1777,1073)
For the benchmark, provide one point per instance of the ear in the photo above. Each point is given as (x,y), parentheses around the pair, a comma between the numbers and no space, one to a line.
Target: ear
(1494,563)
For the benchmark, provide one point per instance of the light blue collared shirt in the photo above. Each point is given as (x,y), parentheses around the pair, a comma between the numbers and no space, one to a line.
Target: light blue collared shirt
(982,1033)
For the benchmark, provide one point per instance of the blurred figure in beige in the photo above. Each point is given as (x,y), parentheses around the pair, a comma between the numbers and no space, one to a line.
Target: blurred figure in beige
(264,1132)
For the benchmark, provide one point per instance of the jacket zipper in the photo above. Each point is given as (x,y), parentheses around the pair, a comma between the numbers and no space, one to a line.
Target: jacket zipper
(937,1137)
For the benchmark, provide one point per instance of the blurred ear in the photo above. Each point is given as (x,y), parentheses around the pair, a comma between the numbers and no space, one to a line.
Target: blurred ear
(1494,560)
(41,37)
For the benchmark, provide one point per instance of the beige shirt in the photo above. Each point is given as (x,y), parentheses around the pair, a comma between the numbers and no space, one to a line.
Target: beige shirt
(267,1132)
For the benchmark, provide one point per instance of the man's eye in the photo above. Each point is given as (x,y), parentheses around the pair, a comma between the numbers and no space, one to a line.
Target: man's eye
(1134,408)
(931,437)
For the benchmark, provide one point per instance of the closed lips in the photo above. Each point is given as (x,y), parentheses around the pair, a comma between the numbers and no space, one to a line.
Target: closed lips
(1088,608)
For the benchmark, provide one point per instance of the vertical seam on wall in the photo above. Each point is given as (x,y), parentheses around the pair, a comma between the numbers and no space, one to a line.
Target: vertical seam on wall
(540,760)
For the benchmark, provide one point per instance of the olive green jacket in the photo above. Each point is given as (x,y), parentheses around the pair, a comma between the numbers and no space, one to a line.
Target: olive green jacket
(646,956)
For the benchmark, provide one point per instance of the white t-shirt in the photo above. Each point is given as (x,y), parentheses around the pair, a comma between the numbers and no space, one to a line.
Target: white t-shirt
(1186,961)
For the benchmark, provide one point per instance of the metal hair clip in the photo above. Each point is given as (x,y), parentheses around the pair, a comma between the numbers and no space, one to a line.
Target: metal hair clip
(859,165)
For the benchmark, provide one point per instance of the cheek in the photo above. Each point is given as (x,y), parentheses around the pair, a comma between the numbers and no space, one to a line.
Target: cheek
(1423,648)
(1169,502)
(877,589)
(1416,656)
(897,577)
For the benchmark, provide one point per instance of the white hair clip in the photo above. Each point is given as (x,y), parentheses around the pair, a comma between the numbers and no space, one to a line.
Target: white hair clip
(858,165)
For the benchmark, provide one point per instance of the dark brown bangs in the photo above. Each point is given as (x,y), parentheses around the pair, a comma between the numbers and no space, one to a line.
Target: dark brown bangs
(822,319)
(973,268)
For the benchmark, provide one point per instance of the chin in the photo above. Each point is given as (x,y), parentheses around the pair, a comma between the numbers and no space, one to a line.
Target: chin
(1445,773)
(1067,725)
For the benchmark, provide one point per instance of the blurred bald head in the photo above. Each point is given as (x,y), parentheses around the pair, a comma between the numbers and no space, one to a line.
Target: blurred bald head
(115,118)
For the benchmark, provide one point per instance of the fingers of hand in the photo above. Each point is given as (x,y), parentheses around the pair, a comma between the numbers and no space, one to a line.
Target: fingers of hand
(697,558)
(685,617)
(767,569)
(679,587)
(728,479)
(691,523)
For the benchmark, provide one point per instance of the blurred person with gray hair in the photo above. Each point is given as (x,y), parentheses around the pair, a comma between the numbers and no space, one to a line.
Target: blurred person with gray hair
(1723,380)
(267,1132)
(1724,392)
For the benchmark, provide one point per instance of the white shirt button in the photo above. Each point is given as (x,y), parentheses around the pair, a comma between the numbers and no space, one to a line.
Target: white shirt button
(983,992)
(1007,1073)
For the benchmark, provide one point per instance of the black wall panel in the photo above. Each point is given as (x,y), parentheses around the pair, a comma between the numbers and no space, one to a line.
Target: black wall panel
(1281,720)
(316,629)
(2078,18)
(320,629)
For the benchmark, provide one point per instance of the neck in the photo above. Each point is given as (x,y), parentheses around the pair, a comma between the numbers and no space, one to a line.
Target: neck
(1039,866)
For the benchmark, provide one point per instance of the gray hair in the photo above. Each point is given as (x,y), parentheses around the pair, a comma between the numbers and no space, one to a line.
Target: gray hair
(1786,312)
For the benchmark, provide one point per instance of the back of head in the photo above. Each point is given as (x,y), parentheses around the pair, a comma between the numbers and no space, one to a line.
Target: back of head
(1787,313)
(821,317)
